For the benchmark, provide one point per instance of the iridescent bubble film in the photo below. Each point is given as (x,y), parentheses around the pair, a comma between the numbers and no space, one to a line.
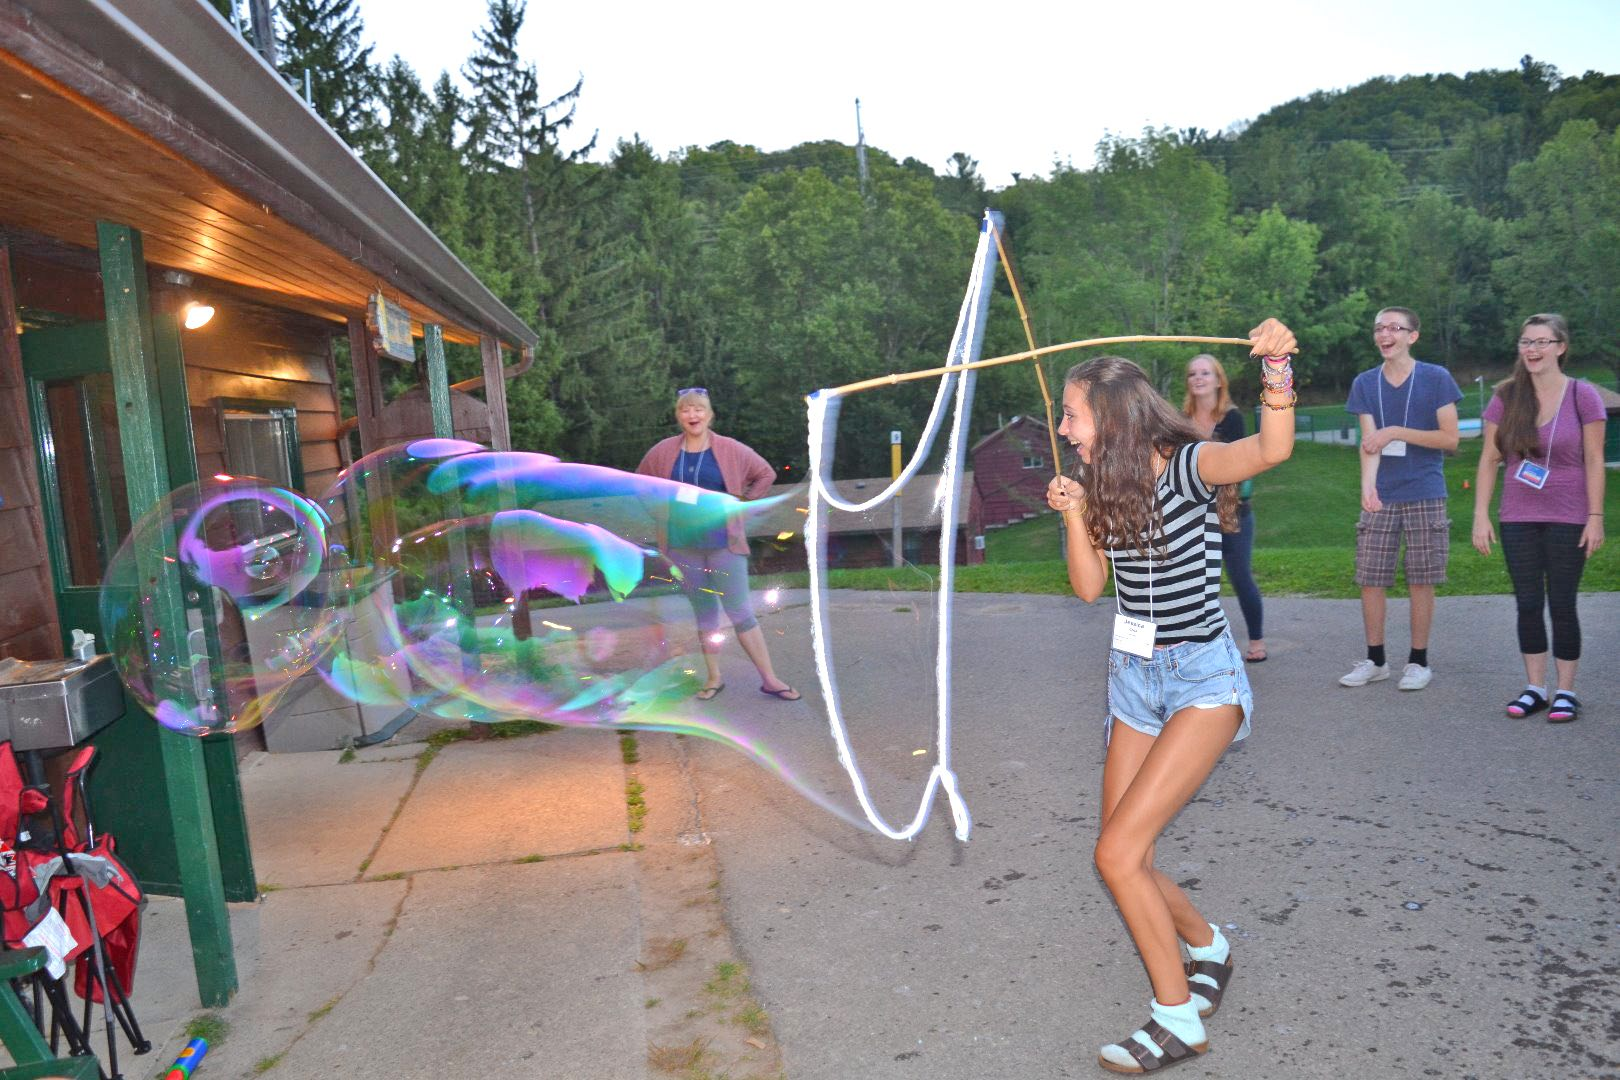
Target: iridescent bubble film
(443,582)
(229,568)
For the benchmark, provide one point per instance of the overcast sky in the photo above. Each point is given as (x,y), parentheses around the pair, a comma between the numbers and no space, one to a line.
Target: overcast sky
(1015,85)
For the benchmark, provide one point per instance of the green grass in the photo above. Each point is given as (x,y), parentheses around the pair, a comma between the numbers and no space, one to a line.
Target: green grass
(634,797)
(1305,518)
(209,1026)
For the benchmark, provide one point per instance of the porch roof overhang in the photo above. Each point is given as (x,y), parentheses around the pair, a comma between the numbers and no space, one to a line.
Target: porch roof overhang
(155,114)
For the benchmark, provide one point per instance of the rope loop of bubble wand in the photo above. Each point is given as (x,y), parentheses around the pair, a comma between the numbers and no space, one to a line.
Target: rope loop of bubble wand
(822,408)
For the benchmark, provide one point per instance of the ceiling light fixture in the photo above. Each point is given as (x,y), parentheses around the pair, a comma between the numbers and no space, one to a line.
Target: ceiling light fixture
(197,315)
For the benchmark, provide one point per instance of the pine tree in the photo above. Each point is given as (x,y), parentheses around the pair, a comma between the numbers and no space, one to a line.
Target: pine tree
(509,124)
(322,37)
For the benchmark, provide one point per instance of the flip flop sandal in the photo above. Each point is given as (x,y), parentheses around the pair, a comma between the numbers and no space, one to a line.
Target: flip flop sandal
(1221,973)
(787,693)
(709,693)
(1565,708)
(1255,656)
(1175,1051)
(1526,704)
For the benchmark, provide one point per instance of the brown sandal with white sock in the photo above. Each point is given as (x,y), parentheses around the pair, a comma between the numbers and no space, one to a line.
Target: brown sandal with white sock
(1221,973)
(1175,1051)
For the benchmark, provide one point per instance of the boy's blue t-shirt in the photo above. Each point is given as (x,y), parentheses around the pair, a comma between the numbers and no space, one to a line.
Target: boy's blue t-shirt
(1414,404)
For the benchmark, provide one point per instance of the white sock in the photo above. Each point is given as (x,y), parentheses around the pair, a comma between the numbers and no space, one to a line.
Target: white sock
(1180,1020)
(1541,690)
(1218,951)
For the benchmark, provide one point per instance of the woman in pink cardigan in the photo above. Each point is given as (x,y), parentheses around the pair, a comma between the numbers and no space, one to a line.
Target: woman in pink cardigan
(714,560)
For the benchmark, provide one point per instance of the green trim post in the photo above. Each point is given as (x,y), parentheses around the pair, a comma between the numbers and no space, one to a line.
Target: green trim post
(438,382)
(132,350)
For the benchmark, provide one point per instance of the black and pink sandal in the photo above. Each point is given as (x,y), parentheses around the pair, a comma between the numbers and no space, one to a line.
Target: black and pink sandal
(1565,708)
(1526,704)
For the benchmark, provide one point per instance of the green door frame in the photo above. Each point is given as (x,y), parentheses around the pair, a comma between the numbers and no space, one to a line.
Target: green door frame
(131,809)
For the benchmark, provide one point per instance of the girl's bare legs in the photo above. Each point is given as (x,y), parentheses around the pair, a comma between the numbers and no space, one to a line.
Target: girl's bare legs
(1126,750)
(1146,782)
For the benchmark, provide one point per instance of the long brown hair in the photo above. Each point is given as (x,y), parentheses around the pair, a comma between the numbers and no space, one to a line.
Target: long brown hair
(1223,392)
(1518,434)
(1134,422)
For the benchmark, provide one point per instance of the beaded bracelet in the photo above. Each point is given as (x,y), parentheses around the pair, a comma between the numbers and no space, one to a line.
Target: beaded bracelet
(1283,382)
(1292,397)
(1284,378)
(1278,361)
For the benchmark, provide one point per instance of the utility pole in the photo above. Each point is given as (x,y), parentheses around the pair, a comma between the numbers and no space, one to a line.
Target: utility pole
(860,147)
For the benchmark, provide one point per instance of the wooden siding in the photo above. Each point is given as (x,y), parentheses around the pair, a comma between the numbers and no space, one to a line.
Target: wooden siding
(1006,490)
(28,625)
(263,354)
(410,416)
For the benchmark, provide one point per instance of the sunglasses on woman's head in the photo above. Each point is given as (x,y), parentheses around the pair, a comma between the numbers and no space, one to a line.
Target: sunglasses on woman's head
(692,390)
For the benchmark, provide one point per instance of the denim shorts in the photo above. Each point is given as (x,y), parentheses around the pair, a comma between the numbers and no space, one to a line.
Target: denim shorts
(1144,694)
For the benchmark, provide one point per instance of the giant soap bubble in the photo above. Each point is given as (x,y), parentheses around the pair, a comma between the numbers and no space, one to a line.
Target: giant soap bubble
(227,568)
(445,581)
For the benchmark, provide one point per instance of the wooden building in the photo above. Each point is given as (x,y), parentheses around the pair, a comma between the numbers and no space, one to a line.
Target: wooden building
(151,164)
(776,535)
(1011,468)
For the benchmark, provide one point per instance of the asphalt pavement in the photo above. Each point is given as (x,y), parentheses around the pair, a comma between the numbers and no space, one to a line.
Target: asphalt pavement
(1413,884)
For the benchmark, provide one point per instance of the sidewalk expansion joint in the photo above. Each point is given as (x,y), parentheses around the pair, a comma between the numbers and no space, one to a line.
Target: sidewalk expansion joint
(268,1063)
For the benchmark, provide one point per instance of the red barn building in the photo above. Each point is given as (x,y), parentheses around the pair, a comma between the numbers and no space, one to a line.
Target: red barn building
(1011,468)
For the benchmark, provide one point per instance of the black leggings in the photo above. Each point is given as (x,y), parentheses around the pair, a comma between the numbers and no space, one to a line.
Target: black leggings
(1545,561)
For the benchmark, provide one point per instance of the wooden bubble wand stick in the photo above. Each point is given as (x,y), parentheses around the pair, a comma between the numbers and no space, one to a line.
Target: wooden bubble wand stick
(1033,354)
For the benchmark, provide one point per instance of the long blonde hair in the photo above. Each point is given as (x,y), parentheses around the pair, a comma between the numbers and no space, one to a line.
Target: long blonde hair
(1223,396)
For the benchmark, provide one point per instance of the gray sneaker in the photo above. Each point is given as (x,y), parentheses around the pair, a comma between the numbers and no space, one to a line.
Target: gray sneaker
(1415,677)
(1365,672)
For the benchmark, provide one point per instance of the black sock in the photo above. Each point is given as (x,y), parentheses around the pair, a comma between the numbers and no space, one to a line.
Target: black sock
(1375,653)
(1420,657)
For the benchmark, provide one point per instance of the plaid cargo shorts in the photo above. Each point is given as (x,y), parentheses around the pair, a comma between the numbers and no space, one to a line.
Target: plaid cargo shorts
(1428,543)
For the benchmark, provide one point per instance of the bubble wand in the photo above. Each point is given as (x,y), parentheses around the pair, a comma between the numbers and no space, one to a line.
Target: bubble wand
(1029,336)
(187,1062)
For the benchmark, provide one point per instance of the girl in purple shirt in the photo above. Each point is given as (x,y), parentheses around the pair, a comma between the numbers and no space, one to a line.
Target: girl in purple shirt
(1547,429)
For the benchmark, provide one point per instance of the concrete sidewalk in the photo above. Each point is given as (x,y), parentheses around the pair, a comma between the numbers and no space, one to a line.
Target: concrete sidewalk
(486,910)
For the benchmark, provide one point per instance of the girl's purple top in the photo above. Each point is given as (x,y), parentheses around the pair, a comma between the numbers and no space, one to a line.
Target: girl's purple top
(1563,498)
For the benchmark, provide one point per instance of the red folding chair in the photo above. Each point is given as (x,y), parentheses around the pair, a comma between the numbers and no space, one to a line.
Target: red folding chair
(99,900)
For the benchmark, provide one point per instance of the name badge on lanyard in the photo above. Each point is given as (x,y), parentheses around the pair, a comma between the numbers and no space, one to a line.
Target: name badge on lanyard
(1532,474)
(1397,447)
(1134,636)
(1529,472)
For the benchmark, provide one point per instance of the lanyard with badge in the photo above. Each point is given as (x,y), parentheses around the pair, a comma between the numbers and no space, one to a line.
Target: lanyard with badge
(1133,635)
(1397,447)
(1536,475)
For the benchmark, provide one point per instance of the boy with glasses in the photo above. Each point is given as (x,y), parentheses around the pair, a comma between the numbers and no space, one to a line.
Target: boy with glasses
(1408,415)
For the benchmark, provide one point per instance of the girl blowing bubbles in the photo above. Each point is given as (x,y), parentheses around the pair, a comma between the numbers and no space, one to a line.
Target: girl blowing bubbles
(1145,499)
